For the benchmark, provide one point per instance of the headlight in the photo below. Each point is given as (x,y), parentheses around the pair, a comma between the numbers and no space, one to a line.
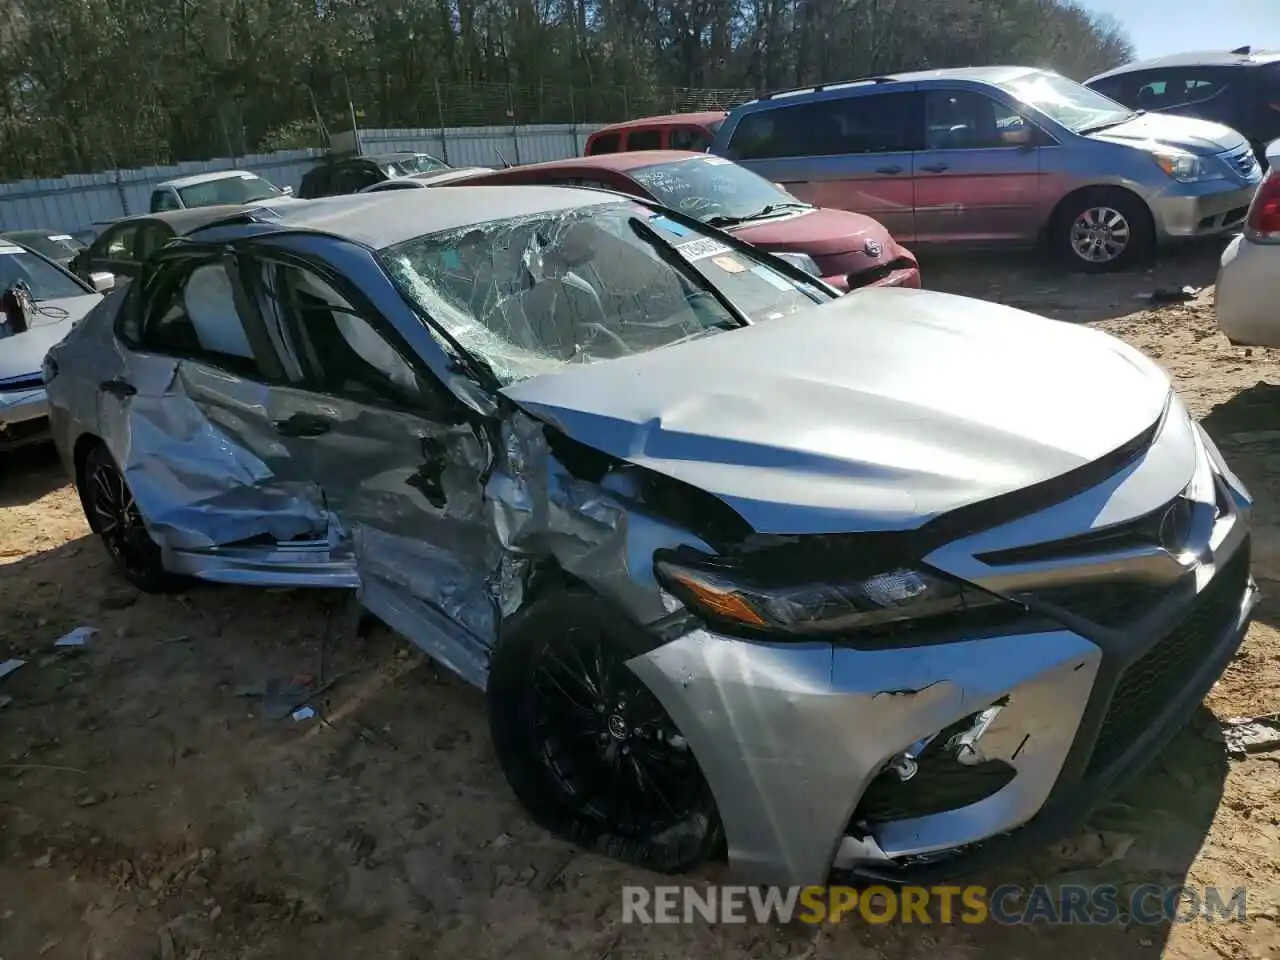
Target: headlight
(1186,168)
(801,261)
(881,600)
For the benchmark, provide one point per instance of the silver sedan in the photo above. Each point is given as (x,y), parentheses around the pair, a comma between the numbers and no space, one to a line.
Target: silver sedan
(833,583)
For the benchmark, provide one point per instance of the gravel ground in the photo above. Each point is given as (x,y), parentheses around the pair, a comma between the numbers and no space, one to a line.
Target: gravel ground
(150,811)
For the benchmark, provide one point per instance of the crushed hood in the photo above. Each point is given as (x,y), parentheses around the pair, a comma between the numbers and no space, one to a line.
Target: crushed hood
(22,353)
(821,232)
(876,411)
(1200,137)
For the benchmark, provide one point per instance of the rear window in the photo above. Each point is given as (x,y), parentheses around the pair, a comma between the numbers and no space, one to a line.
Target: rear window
(604,143)
(881,123)
(644,140)
(689,138)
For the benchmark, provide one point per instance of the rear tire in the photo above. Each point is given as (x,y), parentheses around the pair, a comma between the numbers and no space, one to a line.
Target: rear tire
(586,747)
(1101,230)
(113,515)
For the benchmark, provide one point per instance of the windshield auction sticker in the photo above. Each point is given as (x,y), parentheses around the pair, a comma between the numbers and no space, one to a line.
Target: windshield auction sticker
(701,248)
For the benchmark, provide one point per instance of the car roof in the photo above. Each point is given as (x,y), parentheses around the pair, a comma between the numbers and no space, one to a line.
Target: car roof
(376,157)
(447,176)
(195,178)
(1201,58)
(184,221)
(992,74)
(702,119)
(621,162)
(383,219)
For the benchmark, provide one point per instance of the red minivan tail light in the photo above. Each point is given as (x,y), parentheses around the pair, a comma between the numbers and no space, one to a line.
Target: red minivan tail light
(1263,222)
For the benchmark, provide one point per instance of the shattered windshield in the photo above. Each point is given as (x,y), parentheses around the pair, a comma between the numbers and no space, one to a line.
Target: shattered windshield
(528,295)
(408,166)
(714,190)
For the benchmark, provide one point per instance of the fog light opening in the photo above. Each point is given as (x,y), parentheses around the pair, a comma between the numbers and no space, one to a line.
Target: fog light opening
(944,771)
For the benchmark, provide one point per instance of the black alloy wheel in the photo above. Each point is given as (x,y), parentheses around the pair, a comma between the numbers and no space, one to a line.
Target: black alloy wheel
(587,748)
(113,515)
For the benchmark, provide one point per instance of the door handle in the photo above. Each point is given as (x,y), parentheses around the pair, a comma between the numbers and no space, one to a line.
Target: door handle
(118,388)
(303,425)
(890,170)
(935,167)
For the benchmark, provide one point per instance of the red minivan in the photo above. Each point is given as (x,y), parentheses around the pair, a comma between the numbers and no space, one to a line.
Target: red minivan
(848,250)
(679,131)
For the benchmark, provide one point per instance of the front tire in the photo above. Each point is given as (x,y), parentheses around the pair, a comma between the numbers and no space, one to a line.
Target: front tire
(586,747)
(113,515)
(1097,231)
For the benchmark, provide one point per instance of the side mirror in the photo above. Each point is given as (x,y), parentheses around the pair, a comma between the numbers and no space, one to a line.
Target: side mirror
(102,281)
(287,191)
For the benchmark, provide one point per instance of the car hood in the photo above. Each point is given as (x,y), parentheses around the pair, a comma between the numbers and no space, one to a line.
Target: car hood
(876,411)
(22,353)
(1200,137)
(821,232)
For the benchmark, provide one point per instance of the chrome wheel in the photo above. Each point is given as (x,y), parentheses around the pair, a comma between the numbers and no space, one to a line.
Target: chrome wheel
(1100,235)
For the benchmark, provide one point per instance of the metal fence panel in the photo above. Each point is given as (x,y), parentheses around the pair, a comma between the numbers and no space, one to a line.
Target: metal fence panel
(68,203)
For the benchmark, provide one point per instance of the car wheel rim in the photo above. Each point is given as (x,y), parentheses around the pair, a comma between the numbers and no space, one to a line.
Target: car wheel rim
(119,522)
(1100,234)
(616,757)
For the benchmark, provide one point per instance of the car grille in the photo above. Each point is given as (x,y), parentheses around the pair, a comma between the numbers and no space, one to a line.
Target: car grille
(29,382)
(880,271)
(1149,684)
(1113,604)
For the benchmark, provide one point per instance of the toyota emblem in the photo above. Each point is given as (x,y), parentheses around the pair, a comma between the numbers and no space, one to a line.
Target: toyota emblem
(871,248)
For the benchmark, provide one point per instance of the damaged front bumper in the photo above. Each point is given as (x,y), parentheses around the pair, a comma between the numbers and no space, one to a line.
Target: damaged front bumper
(915,762)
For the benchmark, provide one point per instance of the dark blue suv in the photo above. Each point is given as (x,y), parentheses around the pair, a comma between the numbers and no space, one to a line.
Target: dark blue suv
(1240,89)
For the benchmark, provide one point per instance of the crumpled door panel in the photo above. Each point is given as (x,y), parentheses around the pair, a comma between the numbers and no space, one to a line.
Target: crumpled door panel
(198,467)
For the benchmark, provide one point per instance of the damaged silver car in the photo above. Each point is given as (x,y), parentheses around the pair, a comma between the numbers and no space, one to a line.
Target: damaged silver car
(881,584)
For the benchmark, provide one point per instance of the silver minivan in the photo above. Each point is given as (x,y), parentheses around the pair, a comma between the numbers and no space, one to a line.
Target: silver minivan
(997,155)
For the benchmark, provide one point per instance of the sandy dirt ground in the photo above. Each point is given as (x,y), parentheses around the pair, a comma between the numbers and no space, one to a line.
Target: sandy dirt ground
(149,809)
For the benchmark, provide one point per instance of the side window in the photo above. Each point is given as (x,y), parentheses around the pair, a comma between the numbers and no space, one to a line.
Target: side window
(960,120)
(644,140)
(344,351)
(189,311)
(119,244)
(1119,89)
(876,123)
(689,138)
(162,200)
(357,176)
(1200,86)
(151,238)
(605,143)
(1153,92)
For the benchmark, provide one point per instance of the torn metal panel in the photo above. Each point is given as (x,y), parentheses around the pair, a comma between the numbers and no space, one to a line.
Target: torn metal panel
(759,718)
(199,469)
(600,531)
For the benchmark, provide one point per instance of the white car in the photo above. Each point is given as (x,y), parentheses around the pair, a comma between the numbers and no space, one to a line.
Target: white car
(214,189)
(1249,278)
